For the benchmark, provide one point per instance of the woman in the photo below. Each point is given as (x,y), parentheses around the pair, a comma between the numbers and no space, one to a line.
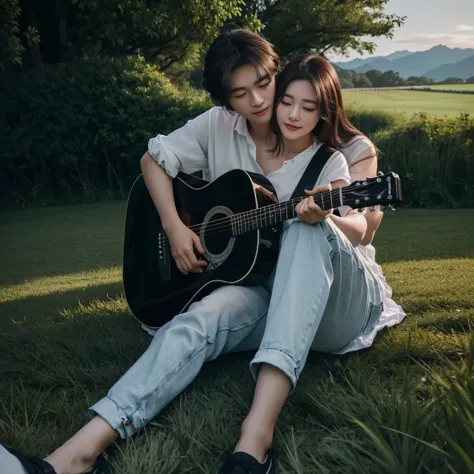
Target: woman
(336,317)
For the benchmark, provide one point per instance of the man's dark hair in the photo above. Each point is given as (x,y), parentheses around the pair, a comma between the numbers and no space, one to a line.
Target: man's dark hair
(231,50)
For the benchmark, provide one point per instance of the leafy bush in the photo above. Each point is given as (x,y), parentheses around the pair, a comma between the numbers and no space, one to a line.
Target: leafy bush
(76,132)
(434,157)
(371,121)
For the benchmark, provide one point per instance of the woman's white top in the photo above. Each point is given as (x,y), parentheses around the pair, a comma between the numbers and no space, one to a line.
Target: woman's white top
(392,312)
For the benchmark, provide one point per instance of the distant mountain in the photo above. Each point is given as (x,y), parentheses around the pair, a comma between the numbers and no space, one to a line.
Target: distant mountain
(382,64)
(352,65)
(463,69)
(355,63)
(408,64)
(417,64)
(398,55)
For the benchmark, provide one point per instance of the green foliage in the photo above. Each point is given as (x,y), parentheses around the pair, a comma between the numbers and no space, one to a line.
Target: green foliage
(78,131)
(434,157)
(452,80)
(172,32)
(350,79)
(371,121)
(323,25)
(10,46)
(375,78)
(384,79)
(418,81)
(163,31)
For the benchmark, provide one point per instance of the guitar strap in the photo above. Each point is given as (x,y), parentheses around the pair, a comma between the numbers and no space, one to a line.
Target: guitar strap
(313,170)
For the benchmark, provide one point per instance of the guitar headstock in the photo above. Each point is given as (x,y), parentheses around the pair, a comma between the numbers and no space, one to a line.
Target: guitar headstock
(383,190)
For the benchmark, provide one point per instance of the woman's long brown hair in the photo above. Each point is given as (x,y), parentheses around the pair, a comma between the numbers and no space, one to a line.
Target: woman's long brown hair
(334,127)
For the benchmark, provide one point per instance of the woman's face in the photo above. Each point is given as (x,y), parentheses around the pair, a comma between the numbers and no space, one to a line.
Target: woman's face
(252,94)
(297,112)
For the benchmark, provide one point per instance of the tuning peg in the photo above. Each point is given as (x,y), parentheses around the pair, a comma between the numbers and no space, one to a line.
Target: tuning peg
(379,173)
(392,207)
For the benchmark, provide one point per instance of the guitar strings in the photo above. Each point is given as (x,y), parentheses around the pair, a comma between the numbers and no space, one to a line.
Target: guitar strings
(273,207)
(225,223)
(230,221)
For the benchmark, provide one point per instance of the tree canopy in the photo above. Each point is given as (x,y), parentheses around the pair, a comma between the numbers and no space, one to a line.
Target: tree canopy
(323,25)
(169,32)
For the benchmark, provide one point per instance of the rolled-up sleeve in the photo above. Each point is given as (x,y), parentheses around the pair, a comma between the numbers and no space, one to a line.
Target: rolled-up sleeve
(185,149)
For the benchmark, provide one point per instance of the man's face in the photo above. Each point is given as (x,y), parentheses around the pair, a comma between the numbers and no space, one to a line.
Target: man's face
(251,93)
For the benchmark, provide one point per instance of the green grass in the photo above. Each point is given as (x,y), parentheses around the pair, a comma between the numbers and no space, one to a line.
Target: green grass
(400,407)
(411,102)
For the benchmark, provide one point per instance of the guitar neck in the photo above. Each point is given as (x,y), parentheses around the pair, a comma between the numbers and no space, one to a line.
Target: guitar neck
(279,212)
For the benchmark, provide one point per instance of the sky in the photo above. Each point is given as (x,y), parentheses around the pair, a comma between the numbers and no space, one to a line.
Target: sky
(428,23)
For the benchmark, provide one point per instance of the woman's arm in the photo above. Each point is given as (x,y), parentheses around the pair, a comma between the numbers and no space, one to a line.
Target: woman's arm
(365,166)
(353,225)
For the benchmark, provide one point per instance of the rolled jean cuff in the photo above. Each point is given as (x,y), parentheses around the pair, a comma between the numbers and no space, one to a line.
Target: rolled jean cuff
(280,359)
(125,425)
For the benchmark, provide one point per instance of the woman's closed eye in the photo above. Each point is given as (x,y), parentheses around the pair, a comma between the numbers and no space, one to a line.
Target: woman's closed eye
(287,104)
(264,85)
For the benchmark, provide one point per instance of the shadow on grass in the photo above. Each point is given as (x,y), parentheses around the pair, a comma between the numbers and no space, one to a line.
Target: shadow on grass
(71,239)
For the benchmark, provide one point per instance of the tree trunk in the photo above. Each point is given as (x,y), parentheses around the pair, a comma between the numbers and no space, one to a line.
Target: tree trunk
(34,48)
(62,7)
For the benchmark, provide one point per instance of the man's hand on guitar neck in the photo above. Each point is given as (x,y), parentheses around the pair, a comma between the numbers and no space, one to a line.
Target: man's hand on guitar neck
(184,245)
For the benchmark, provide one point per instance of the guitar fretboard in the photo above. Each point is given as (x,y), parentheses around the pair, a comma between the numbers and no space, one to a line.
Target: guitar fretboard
(279,212)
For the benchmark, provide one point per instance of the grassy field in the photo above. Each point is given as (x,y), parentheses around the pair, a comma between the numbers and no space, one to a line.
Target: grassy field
(451,87)
(411,102)
(400,407)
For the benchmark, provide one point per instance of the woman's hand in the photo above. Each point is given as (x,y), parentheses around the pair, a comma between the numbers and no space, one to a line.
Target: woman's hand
(184,245)
(308,211)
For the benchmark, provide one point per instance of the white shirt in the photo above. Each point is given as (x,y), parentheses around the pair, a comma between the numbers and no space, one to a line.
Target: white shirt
(354,147)
(218,141)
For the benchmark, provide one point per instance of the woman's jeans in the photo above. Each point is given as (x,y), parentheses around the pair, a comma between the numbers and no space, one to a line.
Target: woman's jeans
(320,297)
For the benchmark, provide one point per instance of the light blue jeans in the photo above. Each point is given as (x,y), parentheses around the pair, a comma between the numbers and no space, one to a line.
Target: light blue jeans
(320,297)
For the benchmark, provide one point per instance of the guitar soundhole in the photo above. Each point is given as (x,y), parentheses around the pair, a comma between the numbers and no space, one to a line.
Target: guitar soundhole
(216,234)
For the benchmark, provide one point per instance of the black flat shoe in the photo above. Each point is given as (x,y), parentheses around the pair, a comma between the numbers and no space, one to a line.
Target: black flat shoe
(34,465)
(243,463)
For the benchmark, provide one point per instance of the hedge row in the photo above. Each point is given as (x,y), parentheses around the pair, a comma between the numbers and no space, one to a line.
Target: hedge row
(75,133)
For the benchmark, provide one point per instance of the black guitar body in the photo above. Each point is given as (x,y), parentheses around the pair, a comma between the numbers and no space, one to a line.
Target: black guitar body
(238,226)
(155,289)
